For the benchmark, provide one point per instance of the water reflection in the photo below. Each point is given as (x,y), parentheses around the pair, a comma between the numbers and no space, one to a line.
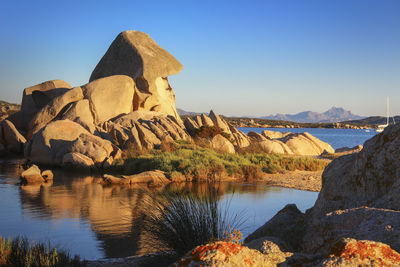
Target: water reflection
(95,221)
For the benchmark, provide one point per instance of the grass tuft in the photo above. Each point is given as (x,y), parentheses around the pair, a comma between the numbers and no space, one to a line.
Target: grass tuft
(18,252)
(180,221)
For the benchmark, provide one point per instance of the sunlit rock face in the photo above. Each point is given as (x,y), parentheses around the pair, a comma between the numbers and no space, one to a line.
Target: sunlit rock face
(135,54)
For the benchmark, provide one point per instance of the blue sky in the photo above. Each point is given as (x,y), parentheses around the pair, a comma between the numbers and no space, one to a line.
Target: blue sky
(240,57)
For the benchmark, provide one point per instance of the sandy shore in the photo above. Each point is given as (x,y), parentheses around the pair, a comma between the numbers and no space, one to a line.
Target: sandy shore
(302,180)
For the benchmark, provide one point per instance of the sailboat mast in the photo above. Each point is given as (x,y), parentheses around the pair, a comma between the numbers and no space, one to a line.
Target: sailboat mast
(387,111)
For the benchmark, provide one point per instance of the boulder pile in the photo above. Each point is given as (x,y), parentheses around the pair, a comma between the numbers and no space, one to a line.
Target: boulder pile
(128,103)
(356,217)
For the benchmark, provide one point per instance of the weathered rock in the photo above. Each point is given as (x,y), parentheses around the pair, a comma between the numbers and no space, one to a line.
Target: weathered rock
(110,97)
(273,134)
(222,145)
(256,137)
(147,138)
(52,109)
(77,160)
(12,139)
(206,121)
(349,150)
(271,248)
(191,125)
(150,178)
(306,144)
(381,225)
(43,92)
(80,113)
(135,54)
(351,252)
(58,138)
(47,175)
(32,176)
(241,140)
(220,123)
(287,225)
(370,177)
(223,253)
(269,146)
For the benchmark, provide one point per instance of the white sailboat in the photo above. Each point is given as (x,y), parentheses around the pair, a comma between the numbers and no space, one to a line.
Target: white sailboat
(383,126)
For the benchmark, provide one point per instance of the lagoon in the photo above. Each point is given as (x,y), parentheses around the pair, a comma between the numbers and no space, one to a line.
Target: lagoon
(80,215)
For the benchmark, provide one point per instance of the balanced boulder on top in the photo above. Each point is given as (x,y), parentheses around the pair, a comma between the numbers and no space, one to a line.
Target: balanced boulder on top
(135,54)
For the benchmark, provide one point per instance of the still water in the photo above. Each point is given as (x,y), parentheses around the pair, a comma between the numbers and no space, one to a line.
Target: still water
(79,214)
(337,138)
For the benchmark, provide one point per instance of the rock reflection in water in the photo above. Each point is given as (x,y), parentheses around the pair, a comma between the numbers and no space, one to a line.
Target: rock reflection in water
(114,212)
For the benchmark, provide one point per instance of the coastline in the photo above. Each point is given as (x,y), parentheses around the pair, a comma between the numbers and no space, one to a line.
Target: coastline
(300,180)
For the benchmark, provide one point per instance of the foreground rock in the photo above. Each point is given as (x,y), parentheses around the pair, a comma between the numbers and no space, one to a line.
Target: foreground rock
(59,138)
(229,254)
(370,177)
(135,54)
(11,138)
(33,175)
(359,199)
(149,178)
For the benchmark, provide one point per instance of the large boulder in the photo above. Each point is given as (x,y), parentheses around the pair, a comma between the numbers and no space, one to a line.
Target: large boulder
(370,177)
(110,97)
(220,123)
(135,54)
(305,144)
(58,138)
(149,178)
(381,225)
(35,98)
(288,225)
(79,112)
(13,141)
(52,109)
(222,145)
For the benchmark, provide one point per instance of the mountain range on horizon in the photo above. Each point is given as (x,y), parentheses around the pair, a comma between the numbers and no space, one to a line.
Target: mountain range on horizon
(334,114)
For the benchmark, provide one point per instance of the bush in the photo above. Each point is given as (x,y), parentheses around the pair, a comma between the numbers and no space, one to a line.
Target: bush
(199,163)
(18,252)
(180,221)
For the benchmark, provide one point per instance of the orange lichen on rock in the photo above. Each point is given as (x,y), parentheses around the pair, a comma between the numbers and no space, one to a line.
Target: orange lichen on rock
(366,251)
(224,253)
(226,248)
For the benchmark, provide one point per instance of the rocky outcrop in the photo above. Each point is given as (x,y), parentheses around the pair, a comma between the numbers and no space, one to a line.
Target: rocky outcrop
(58,138)
(12,140)
(149,178)
(35,98)
(110,97)
(370,177)
(229,254)
(222,145)
(306,144)
(80,113)
(52,109)
(33,175)
(351,252)
(363,223)
(135,54)
(288,226)
(359,199)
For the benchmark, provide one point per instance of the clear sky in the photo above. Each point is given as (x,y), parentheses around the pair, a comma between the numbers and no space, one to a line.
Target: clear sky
(240,57)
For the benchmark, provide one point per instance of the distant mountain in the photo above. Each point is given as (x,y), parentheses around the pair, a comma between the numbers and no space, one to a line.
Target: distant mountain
(332,115)
(182,112)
